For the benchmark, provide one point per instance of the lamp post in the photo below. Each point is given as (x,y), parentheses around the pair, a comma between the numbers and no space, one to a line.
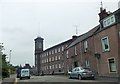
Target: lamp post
(9,62)
(10,56)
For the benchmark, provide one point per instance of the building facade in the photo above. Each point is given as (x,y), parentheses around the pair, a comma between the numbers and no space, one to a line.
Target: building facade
(98,49)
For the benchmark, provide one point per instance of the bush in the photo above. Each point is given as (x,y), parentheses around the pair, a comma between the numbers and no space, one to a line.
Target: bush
(5,73)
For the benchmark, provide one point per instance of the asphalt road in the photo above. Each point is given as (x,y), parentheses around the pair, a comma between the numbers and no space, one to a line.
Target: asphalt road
(60,80)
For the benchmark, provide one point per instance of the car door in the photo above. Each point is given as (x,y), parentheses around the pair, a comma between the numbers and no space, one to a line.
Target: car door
(76,72)
(73,73)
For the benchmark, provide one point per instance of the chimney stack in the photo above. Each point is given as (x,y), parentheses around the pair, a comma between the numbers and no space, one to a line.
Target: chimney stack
(103,14)
(74,37)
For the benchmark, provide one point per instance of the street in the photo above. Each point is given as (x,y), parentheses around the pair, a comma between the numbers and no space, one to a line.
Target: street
(60,79)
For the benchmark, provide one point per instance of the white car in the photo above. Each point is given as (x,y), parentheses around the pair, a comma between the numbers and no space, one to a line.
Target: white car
(25,73)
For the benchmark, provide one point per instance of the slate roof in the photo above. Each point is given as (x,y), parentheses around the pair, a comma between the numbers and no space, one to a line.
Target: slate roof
(84,36)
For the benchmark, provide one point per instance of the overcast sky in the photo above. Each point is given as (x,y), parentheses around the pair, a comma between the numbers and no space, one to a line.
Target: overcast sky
(21,21)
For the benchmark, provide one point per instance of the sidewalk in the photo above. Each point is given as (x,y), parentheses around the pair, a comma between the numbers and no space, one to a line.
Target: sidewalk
(0,80)
(8,80)
(111,79)
(102,79)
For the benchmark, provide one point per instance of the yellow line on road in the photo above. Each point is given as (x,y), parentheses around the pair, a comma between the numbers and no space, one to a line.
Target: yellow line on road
(16,80)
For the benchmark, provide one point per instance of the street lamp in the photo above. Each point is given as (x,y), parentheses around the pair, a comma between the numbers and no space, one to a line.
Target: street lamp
(10,56)
(9,62)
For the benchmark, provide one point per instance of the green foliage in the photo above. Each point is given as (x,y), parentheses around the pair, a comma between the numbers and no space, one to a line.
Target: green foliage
(1,48)
(5,67)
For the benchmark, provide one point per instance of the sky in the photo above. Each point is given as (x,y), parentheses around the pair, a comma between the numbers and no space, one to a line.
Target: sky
(21,21)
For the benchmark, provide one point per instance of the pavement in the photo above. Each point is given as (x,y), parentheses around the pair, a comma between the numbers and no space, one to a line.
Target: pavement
(102,79)
(12,80)
(8,80)
(0,81)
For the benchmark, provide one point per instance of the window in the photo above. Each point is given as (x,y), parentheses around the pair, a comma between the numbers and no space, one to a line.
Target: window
(67,54)
(52,66)
(43,68)
(59,65)
(52,51)
(45,60)
(105,44)
(109,21)
(52,58)
(62,48)
(49,59)
(75,51)
(49,52)
(56,66)
(55,50)
(112,65)
(85,46)
(55,57)
(46,67)
(87,63)
(44,54)
(58,57)
(58,49)
(42,61)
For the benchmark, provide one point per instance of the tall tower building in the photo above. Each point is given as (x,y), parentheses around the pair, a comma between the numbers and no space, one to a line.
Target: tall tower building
(38,51)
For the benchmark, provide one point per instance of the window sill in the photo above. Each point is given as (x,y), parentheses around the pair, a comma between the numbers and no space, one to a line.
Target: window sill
(106,51)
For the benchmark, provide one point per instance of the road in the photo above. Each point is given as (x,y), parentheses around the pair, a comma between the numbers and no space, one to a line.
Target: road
(60,80)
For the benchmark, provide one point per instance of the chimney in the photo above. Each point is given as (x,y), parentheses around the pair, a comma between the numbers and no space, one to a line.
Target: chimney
(103,14)
(74,37)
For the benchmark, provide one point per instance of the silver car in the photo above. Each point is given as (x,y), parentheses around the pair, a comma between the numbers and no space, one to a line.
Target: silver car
(81,72)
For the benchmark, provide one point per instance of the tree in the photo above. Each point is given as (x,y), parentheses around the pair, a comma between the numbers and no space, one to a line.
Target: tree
(1,48)
(4,67)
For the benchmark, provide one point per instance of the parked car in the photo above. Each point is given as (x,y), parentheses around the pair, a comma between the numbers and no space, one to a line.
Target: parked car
(81,72)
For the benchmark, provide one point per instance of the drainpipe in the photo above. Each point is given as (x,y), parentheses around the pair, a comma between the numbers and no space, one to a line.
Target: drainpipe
(97,56)
(81,55)
(118,65)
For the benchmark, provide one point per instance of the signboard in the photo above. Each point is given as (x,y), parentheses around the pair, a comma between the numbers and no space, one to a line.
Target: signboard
(109,21)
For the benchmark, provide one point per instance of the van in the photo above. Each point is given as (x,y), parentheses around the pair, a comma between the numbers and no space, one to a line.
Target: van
(25,73)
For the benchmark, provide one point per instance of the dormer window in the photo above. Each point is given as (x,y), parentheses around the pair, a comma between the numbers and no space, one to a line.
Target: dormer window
(109,21)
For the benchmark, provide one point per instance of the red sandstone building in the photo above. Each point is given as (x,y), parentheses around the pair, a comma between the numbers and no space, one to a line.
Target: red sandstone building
(98,49)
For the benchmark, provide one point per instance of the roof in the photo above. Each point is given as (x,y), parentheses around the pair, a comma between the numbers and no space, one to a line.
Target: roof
(84,36)
(70,40)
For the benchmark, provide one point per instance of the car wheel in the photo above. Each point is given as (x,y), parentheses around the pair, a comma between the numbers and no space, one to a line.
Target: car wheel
(93,78)
(29,77)
(20,78)
(79,77)
(69,76)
